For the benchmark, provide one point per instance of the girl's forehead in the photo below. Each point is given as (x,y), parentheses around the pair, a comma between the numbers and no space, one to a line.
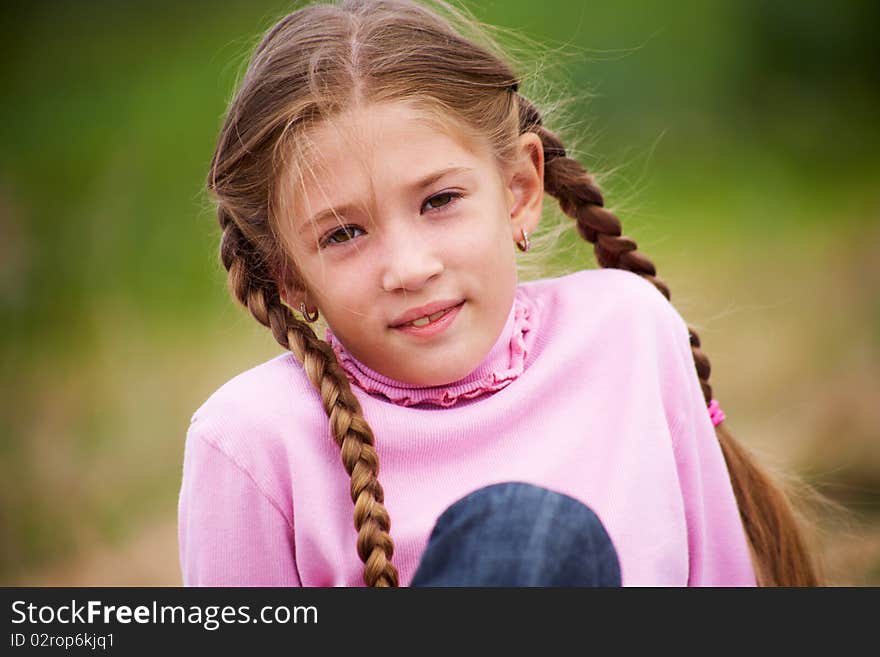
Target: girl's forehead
(377,135)
(385,148)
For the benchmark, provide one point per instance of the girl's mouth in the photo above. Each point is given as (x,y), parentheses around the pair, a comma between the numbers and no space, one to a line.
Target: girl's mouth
(433,324)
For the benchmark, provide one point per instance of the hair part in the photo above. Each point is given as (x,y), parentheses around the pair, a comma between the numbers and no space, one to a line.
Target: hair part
(325,59)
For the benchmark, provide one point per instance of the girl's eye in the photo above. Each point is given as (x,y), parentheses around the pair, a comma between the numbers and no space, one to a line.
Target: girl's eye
(341,235)
(441,200)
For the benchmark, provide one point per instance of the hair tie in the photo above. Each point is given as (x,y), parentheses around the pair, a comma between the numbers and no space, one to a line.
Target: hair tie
(552,152)
(716,413)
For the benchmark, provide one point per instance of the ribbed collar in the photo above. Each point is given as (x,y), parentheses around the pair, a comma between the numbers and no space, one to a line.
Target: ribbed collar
(504,363)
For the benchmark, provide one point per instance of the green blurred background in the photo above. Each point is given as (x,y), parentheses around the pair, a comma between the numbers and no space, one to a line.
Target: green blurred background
(739,141)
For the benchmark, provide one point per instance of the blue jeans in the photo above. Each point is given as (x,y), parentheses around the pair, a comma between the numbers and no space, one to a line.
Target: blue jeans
(517,534)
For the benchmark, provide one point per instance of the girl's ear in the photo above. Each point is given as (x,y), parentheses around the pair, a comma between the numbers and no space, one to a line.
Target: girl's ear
(294,297)
(525,185)
(291,298)
(290,290)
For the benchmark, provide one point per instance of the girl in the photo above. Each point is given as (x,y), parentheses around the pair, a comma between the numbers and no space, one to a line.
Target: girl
(379,169)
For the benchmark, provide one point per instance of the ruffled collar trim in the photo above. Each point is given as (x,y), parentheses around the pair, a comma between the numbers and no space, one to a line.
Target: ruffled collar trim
(504,363)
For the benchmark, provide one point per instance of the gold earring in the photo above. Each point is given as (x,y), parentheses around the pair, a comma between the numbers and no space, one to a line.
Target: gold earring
(525,243)
(310,318)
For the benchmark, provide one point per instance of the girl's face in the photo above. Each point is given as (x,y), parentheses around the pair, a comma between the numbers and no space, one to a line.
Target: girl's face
(400,221)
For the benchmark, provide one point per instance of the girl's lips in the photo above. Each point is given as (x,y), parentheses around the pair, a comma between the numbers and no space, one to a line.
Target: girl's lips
(425,311)
(433,328)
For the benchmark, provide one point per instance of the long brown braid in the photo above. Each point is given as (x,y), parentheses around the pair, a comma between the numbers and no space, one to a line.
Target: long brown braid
(778,549)
(250,283)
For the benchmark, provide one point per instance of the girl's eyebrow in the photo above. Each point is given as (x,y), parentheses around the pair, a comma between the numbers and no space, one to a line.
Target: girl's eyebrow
(416,186)
(431,178)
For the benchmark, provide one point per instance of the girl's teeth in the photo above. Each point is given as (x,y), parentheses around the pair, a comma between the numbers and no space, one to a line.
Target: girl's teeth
(424,321)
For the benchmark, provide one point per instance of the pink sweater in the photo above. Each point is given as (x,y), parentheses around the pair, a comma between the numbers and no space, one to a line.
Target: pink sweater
(590,390)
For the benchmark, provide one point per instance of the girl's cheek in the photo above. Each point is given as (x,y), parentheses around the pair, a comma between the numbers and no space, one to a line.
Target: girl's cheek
(352,274)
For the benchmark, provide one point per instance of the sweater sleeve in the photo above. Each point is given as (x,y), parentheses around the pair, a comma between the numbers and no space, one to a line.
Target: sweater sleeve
(230,532)
(718,552)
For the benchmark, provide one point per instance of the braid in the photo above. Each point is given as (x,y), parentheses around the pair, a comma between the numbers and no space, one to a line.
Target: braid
(569,183)
(254,288)
(779,551)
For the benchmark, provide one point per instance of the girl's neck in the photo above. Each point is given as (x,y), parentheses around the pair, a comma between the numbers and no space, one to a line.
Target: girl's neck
(501,366)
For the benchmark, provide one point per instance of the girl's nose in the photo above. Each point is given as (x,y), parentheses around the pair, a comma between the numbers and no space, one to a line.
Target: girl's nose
(409,262)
